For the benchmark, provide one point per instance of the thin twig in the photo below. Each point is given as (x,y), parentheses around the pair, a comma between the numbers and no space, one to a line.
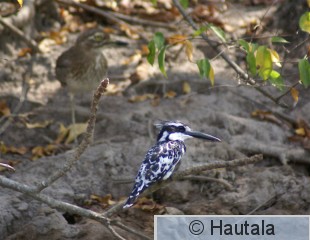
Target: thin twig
(23,98)
(102,13)
(218,164)
(287,92)
(217,48)
(226,184)
(142,21)
(72,159)
(31,43)
(7,166)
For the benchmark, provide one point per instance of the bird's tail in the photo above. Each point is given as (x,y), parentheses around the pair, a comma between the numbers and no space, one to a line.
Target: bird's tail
(137,190)
(130,201)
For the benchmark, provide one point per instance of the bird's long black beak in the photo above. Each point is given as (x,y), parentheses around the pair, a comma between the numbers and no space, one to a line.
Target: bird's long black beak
(119,43)
(203,136)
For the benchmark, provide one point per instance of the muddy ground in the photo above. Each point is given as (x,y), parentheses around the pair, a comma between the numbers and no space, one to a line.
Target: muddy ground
(124,132)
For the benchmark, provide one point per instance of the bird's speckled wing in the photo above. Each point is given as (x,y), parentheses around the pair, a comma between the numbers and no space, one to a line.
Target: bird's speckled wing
(159,163)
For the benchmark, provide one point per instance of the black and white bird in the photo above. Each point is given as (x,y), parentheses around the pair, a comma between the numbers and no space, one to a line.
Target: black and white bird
(161,160)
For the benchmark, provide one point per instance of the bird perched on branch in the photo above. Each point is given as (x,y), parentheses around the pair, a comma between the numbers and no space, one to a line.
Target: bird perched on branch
(83,66)
(161,160)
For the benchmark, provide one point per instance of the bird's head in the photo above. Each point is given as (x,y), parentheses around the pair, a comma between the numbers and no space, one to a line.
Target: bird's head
(96,38)
(175,130)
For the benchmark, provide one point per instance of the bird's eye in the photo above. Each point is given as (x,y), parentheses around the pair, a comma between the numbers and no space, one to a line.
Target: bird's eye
(98,37)
(181,129)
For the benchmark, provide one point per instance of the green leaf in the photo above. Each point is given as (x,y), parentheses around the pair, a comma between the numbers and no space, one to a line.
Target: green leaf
(251,61)
(304,22)
(205,69)
(184,3)
(244,44)
(161,61)
(200,31)
(276,79)
(159,40)
(304,72)
(154,2)
(152,50)
(279,40)
(218,32)
(263,62)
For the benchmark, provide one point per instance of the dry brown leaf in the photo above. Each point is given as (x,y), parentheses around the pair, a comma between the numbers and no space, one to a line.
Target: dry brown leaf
(11,149)
(135,58)
(189,50)
(108,30)
(129,31)
(186,88)
(75,130)
(177,39)
(43,124)
(37,152)
(62,134)
(300,131)
(41,151)
(144,50)
(147,204)
(24,51)
(142,98)
(266,116)
(295,94)
(4,109)
(170,94)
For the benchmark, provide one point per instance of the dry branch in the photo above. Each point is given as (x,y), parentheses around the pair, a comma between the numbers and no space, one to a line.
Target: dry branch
(67,207)
(72,159)
(102,13)
(193,170)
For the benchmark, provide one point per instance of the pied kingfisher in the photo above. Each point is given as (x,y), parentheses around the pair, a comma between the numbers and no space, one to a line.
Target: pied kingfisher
(161,159)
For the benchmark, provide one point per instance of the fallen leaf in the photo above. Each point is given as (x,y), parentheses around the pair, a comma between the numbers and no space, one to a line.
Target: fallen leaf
(43,124)
(300,131)
(186,88)
(177,39)
(24,51)
(141,98)
(295,95)
(129,32)
(4,109)
(189,50)
(62,134)
(266,116)
(75,130)
(41,151)
(11,149)
(170,94)
(147,204)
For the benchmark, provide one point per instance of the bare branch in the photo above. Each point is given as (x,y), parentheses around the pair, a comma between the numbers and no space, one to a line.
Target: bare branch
(72,159)
(226,184)
(218,164)
(193,170)
(31,43)
(102,13)
(7,166)
(67,207)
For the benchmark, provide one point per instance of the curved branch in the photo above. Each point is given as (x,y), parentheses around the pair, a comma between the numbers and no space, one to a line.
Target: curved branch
(71,161)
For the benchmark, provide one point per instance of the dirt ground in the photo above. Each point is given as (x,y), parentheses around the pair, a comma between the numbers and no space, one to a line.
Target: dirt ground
(124,132)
